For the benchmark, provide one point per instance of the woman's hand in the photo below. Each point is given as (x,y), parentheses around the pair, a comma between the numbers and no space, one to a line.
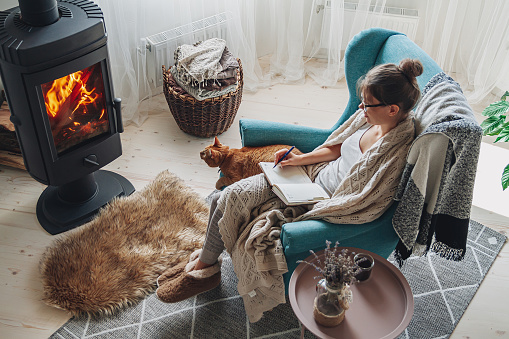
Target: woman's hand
(328,153)
(290,160)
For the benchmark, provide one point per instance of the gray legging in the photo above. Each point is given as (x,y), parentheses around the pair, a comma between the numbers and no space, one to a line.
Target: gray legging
(213,245)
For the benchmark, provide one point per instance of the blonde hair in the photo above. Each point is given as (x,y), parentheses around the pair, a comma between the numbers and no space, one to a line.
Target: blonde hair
(393,85)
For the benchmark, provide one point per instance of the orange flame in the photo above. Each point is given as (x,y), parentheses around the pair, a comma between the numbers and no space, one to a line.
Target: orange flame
(72,85)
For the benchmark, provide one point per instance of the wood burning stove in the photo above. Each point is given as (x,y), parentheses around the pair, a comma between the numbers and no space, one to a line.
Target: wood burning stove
(56,73)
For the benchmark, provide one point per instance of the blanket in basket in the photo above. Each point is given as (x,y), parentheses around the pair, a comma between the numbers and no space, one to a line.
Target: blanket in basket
(203,62)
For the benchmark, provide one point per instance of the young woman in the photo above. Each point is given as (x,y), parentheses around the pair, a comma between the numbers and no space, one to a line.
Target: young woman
(359,165)
(388,93)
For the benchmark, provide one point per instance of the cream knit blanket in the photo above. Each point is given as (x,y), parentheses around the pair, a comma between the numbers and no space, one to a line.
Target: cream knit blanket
(253,215)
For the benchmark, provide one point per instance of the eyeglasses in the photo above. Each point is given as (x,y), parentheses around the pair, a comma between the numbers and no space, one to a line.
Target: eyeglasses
(368,106)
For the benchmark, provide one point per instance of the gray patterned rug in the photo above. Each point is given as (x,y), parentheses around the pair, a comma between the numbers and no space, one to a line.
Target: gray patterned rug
(442,291)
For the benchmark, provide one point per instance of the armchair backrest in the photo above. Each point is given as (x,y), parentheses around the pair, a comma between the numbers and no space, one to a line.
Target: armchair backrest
(376,46)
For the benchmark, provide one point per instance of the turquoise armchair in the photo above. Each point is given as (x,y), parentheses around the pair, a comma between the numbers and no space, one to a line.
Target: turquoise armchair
(367,49)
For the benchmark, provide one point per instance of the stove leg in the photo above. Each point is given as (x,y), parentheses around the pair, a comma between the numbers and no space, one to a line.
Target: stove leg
(61,208)
(79,191)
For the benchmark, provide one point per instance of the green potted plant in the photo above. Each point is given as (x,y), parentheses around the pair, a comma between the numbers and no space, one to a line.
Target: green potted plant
(496,125)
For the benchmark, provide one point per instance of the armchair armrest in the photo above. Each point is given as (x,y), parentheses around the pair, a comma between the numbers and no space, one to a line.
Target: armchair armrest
(298,238)
(262,133)
(302,236)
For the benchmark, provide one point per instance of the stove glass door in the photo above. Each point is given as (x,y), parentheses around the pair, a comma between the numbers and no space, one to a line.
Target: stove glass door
(76,107)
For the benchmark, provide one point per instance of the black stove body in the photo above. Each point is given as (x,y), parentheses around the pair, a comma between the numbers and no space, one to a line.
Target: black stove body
(56,73)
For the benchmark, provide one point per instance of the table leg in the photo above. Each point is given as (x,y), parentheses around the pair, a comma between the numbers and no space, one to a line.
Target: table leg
(302,330)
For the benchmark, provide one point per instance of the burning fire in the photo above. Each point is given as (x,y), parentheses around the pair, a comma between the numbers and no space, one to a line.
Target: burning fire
(70,87)
(76,107)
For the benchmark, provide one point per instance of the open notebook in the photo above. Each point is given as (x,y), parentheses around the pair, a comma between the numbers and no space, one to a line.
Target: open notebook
(292,185)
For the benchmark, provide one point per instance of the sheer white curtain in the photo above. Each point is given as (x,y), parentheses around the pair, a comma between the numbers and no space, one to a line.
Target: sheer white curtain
(282,41)
(128,22)
(297,37)
(470,39)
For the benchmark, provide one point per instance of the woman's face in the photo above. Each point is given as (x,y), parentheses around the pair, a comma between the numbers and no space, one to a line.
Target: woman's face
(377,115)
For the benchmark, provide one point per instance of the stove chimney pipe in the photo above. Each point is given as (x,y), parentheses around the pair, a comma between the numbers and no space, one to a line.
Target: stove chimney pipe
(39,12)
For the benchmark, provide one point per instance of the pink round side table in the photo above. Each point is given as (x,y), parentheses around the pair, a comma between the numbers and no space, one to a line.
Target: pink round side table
(382,306)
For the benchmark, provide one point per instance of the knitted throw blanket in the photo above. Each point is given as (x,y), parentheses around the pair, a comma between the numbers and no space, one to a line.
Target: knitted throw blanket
(200,93)
(253,215)
(369,187)
(436,190)
(201,60)
(207,60)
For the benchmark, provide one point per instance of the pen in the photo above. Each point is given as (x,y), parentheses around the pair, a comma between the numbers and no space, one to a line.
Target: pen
(284,156)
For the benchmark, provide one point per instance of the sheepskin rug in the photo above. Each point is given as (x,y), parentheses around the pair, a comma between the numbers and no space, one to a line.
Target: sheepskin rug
(114,260)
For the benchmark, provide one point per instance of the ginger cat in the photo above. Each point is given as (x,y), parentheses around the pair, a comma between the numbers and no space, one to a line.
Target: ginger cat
(236,164)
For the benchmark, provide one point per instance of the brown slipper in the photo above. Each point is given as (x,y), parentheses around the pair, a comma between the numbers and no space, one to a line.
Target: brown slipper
(176,270)
(190,283)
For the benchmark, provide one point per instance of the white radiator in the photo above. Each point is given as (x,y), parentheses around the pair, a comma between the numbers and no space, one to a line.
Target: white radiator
(161,46)
(403,20)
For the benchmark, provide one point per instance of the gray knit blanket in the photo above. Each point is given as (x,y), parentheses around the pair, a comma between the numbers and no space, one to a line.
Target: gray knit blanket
(207,60)
(435,193)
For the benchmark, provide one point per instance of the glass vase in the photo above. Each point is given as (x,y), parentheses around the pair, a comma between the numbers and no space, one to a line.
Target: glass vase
(329,305)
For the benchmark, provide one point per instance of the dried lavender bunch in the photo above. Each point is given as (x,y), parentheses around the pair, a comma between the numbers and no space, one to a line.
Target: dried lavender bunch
(338,267)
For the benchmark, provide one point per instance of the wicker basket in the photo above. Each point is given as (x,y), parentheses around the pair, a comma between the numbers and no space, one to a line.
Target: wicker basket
(205,118)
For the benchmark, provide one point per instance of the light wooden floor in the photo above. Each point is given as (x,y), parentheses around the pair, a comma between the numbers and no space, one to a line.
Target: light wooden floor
(159,145)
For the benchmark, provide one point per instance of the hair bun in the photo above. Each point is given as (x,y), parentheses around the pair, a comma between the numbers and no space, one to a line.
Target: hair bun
(411,67)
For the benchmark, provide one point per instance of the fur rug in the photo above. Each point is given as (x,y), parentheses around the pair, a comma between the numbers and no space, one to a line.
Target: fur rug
(114,260)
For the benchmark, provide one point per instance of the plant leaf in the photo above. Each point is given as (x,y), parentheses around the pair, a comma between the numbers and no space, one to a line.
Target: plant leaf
(503,135)
(505,178)
(506,94)
(496,108)
(493,125)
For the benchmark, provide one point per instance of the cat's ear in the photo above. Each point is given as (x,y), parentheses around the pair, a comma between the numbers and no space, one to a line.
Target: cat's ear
(216,142)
